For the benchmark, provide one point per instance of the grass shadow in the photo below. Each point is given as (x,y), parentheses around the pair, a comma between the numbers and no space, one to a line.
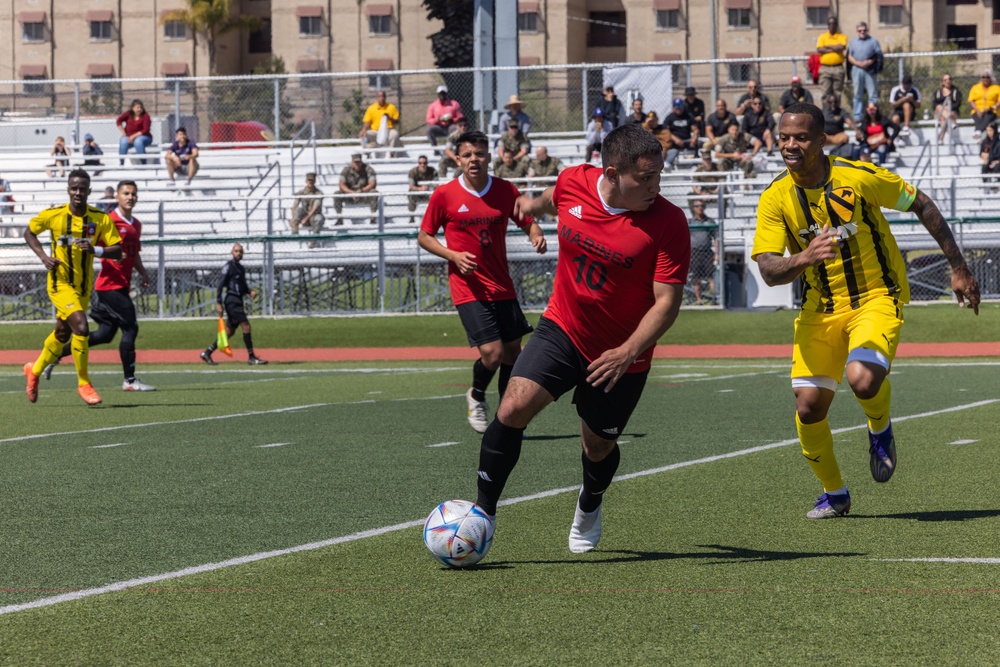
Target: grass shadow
(940,515)
(721,554)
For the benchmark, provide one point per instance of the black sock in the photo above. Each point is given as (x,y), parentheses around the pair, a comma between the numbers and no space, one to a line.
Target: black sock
(481,377)
(248,342)
(597,476)
(498,454)
(505,371)
(211,348)
(127,353)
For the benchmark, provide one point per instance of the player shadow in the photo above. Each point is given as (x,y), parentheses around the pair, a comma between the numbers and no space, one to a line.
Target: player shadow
(722,554)
(576,436)
(940,515)
(155,405)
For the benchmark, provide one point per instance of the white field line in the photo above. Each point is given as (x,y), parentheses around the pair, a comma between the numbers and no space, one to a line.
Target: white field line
(273,444)
(117,444)
(275,371)
(679,380)
(963,442)
(353,537)
(444,444)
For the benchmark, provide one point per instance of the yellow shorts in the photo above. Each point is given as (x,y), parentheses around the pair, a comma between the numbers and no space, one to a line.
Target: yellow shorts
(67,301)
(824,341)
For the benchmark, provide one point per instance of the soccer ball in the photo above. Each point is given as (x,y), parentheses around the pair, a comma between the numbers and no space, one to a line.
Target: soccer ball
(458,533)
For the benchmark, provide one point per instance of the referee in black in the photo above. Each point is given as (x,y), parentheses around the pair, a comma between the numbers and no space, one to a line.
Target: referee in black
(229,301)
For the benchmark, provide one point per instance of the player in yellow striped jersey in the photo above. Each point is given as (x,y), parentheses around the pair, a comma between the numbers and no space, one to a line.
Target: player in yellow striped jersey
(79,233)
(826,211)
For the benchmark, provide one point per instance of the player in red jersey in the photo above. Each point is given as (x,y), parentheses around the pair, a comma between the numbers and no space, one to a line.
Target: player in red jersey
(113,308)
(474,210)
(624,253)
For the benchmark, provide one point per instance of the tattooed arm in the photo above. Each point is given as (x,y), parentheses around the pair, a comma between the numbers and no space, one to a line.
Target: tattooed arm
(778,270)
(963,283)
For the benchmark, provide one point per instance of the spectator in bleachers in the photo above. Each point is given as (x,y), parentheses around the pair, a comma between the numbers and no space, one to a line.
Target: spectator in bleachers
(865,56)
(637,115)
(753,90)
(357,179)
(90,150)
(509,168)
(704,251)
(989,152)
(875,136)
(947,106)
(108,202)
(134,125)
(795,93)
(695,106)
(905,100)
(984,97)
(597,129)
(738,148)
(442,113)
(716,123)
(683,132)
(515,111)
(832,49)
(380,121)
(544,165)
(307,210)
(759,122)
(61,153)
(419,179)
(834,120)
(514,142)
(662,133)
(449,160)
(182,156)
(614,110)
(6,199)
(707,175)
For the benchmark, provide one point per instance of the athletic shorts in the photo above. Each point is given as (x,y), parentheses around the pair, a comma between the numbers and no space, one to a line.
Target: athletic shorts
(487,321)
(823,341)
(114,308)
(234,311)
(67,301)
(550,359)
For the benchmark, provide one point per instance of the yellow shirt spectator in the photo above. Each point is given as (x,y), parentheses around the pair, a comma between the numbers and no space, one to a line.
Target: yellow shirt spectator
(984,97)
(376,112)
(832,58)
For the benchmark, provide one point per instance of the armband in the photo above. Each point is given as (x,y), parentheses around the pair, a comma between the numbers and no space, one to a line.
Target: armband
(99,250)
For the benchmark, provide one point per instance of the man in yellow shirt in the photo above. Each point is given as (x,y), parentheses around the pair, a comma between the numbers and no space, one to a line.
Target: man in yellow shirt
(827,213)
(79,233)
(984,98)
(832,49)
(373,133)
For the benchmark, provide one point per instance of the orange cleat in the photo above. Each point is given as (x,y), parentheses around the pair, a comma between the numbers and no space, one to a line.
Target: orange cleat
(32,390)
(87,393)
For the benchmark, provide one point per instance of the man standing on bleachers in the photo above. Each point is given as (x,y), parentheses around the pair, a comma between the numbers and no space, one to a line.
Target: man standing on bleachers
(420,179)
(357,179)
(865,56)
(308,208)
(832,49)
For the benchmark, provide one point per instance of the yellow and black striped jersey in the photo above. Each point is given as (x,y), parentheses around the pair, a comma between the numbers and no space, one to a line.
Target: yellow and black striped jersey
(75,267)
(851,200)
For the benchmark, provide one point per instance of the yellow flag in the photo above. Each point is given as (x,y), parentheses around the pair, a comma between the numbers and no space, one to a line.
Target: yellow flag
(223,340)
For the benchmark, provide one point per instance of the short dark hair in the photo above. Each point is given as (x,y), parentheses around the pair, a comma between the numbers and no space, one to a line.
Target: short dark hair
(624,145)
(811,110)
(78,173)
(122,184)
(475,137)
(180,129)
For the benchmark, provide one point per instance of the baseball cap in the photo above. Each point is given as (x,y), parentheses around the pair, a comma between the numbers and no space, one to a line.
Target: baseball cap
(690,90)
(355,156)
(678,101)
(796,79)
(442,89)
(88,136)
(598,111)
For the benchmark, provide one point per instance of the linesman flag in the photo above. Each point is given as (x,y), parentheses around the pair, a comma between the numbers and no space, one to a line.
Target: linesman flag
(222,342)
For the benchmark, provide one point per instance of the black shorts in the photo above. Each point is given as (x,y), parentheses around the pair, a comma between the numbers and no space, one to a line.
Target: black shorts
(113,308)
(487,321)
(551,359)
(234,311)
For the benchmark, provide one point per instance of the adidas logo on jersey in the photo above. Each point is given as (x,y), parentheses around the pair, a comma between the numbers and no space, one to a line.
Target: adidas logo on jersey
(463,209)
(577,211)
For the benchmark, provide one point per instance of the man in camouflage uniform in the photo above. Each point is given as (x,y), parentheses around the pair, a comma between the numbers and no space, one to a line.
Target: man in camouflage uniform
(510,169)
(308,208)
(514,142)
(738,148)
(707,184)
(544,166)
(449,160)
(420,178)
(357,179)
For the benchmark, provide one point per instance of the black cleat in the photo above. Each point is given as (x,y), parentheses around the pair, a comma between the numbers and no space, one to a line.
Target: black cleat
(207,358)
(256,361)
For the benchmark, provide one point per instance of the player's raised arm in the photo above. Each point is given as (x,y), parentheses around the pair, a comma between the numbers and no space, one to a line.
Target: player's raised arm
(963,283)
(527,206)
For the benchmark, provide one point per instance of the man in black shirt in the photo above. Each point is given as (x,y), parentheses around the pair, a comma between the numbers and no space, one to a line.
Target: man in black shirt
(683,131)
(696,107)
(612,107)
(794,94)
(231,289)
(759,122)
(716,123)
(834,120)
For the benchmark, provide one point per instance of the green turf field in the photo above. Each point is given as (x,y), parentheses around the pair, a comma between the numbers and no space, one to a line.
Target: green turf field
(292,495)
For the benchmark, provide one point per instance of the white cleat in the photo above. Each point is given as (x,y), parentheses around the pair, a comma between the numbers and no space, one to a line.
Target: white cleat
(478,411)
(585,532)
(136,385)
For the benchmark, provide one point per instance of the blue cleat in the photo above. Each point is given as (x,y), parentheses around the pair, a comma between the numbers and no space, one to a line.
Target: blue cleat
(829,506)
(883,454)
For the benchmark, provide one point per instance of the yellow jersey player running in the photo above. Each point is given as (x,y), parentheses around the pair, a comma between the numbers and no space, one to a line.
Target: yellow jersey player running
(826,211)
(75,229)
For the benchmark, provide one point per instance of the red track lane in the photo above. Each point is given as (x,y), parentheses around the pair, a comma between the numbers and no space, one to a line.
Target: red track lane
(110,355)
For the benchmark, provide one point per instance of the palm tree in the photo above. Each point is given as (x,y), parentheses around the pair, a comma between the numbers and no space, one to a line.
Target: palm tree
(210,19)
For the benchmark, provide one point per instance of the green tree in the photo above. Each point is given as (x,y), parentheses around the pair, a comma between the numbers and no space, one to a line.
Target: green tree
(452,46)
(210,19)
(354,113)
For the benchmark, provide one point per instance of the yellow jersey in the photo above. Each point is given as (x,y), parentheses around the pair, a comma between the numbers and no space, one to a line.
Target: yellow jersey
(75,268)
(870,264)
(826,39)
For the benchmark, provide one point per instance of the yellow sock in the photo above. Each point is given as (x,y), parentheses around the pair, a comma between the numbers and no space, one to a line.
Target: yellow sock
(817,446)
(877,408)
(81,348)
(51,351)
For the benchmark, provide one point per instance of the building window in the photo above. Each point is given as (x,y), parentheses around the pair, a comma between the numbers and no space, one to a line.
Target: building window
(310,26)
(607,29)
(103,85)
(816,16)
(739,18)
(740,72)
(36,86)
(381,80)
(890,15)
(527,22)
(100,31)
(260,40)
(380,25)
(174,30)
(170,82)
(33,32)
(964,39)
(668,19)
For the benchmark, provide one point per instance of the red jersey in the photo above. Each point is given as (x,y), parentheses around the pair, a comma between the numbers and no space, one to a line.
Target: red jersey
(475,222)
(117,274)
(608,261)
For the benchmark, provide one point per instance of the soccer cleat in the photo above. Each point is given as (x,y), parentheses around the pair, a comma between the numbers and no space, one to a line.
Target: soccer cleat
(478,411)
(89,394)
(585,532)
(882,454)
(256,361)
(47,372)
(136,385)
(829,506)
(32,390)
(207,358)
